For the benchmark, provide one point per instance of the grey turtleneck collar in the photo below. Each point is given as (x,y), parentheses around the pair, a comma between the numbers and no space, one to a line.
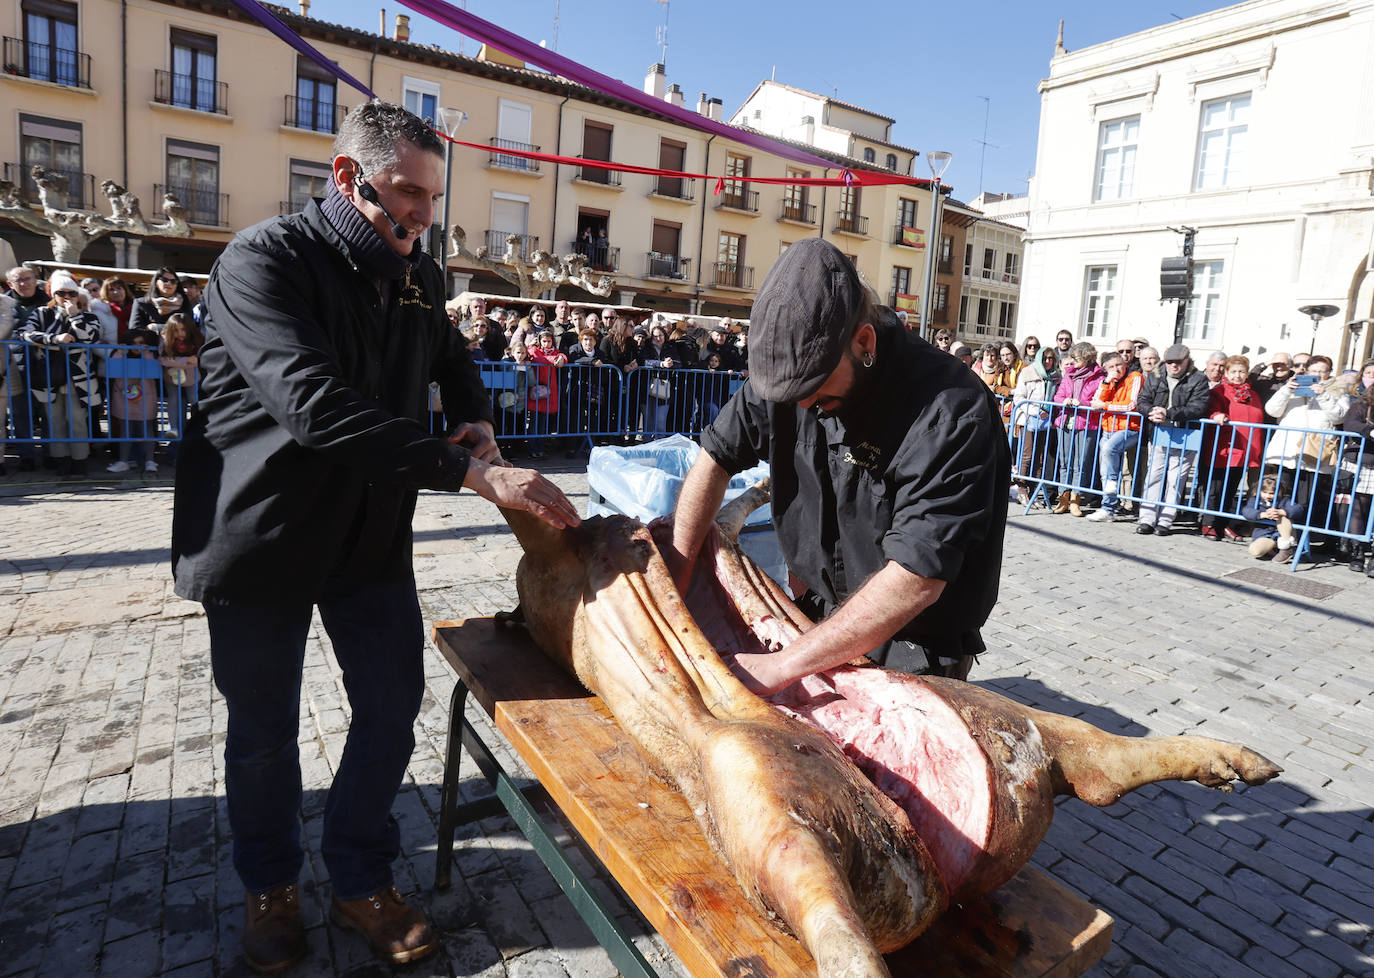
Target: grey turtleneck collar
(377,259)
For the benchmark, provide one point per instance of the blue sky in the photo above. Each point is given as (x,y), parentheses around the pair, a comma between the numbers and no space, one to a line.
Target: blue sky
(928,66)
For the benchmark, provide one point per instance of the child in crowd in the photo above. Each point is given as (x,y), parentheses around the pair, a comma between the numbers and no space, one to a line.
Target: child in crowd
(1273,511)
(510,403)
(133,403)
(179,356)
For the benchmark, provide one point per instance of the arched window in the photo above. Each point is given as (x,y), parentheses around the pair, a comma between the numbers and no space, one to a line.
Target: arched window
(892,161)
(869,155)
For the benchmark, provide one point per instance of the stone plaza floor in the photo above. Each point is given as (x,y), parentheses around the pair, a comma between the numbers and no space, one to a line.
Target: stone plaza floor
(114,842)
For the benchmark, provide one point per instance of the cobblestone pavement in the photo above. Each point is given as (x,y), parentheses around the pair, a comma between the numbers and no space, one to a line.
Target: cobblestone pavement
(114,843)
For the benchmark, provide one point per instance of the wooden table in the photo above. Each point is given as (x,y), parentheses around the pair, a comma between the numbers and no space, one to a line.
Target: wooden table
(644,834)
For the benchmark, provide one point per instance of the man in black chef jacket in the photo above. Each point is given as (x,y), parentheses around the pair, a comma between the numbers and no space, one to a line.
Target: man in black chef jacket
(295,490)
(890,470)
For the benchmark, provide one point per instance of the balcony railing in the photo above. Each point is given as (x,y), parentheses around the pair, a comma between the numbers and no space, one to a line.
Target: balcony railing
(293,205)
(739,199)
(732,276)
(797,211)
(668,266)
(939,315)
(600,257)
(312,114)
(507,161)
(203,206)
(905,234)
(679,188)
(45,62)
(190,92)
(80,186)
(993,275)
(851,223)
(945,266)
(595,174)
(524,244)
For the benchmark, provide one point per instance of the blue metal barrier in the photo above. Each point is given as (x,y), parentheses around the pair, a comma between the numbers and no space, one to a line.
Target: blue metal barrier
(1317,467)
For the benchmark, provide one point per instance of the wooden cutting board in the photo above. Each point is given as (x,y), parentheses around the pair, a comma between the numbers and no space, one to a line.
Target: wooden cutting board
(645,835)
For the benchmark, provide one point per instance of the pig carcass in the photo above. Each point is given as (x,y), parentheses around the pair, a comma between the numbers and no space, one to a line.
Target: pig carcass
(855,805)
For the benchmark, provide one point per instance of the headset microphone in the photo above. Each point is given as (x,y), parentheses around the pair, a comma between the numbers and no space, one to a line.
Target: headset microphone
(369,194)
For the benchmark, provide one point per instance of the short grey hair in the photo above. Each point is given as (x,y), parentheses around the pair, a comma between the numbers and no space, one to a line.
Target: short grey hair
(1216,355)
(370,132)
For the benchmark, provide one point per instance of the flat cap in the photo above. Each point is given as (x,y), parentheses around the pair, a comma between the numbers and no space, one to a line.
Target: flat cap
(805,313)
(1177,352)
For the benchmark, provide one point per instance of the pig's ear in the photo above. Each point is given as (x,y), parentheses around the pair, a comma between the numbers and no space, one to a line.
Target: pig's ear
(732,515)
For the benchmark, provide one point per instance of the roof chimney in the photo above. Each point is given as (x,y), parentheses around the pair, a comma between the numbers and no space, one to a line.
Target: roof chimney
(674,95)
(655,80)
(702,104)
(402,28)
(305,8)
(809,128)
(382,31)
(713,109)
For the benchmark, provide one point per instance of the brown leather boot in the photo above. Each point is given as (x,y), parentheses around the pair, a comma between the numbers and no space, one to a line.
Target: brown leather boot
(394,929)
(1062,506)
(273,934)
(1074,500)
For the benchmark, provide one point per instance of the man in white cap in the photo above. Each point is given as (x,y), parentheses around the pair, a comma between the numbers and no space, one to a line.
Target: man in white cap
(890,469)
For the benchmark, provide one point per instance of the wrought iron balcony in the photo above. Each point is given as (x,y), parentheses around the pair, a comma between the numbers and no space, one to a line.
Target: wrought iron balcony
(849,223)
(945,266)
(312,114)
(600,257)
(595,174)
(509,161)
(46,62)
(678,188)
(738,198)
(293,205)
(190,92)
(80,186)
(668,266)
(799,212)
(732,276)
(523,245)
(202,206)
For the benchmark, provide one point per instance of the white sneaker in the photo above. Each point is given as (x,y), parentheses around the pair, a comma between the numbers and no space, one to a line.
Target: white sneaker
(150,466)
(1101,516)
(1110,487)
(118,467)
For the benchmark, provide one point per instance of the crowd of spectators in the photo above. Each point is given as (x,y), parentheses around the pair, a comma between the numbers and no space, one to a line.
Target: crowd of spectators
(1280,444)
(565,387)
(64,376)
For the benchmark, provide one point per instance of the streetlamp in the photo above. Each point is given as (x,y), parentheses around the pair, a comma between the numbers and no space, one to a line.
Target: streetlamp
(938,161)
(451,120)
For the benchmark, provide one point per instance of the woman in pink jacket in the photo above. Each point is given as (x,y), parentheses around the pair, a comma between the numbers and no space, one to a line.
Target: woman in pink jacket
(541,406)
(1234,447)
(1079,424)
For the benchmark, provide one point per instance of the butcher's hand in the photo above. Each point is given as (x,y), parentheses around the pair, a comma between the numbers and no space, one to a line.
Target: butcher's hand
(479,439)
(523,489)
(761,674)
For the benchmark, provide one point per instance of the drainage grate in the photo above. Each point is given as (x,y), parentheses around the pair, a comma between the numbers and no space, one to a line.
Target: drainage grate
(1285,582)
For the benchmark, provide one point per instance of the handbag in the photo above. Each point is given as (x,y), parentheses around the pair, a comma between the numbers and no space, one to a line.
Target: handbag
(659,389)
(1319,451)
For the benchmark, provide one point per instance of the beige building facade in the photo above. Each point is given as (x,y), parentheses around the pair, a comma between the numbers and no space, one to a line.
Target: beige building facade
(194,96)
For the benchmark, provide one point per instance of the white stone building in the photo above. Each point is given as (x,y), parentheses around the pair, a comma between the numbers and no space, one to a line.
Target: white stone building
(1253,124)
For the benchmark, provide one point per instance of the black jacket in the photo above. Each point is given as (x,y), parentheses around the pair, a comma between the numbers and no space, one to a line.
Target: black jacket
(298,473)
(1189,400)
(917,473)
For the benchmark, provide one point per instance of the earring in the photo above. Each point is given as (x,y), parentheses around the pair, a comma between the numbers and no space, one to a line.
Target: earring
(868,358)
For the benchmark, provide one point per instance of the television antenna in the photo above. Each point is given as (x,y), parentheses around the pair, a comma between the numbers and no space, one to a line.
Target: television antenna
(662,36)
(555,24)
(983,143)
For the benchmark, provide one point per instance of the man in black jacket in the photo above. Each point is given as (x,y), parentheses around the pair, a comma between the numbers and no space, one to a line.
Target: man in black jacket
(1169,403)
(295,489)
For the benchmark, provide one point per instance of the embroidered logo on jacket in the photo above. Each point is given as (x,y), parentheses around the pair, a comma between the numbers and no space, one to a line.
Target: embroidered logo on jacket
(865,456)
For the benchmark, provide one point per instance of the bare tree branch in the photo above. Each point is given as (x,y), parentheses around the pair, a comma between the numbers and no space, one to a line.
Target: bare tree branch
(72,231)
(542,271)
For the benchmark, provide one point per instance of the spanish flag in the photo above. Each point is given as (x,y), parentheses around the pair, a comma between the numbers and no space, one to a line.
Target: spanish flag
(914,237)
(910,303)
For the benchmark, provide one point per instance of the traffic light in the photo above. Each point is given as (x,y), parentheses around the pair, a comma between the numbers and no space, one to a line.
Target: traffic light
(1176,278)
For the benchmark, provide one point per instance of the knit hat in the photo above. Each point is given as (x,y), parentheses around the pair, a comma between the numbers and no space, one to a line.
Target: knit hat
(61,281)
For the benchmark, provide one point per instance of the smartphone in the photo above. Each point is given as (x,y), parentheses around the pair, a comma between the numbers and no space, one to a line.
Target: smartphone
(1305,384)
